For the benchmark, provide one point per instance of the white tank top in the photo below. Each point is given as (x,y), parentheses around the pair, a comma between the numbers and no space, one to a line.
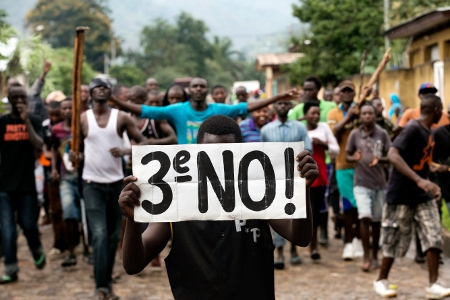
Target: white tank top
(99,164)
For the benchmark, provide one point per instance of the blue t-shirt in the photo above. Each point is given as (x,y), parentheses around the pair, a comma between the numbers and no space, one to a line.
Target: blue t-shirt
(187,120)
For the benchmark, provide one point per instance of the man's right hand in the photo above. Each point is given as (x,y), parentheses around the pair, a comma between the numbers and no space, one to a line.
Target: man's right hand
(430,188)
(55,175)
(351,111)
(129,197)
(47,67)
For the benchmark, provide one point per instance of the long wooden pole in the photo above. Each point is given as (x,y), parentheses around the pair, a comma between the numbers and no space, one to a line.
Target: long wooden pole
(361,72)
(375,75)
(76,90)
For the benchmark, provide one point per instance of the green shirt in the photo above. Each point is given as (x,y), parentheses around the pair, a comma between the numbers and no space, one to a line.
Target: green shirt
(324,106)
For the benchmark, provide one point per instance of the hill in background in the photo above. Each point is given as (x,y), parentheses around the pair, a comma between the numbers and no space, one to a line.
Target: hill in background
(254,26)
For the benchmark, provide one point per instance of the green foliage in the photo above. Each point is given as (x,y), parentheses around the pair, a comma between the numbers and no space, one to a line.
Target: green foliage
(56,22)
(60,76)
(181,49)
(404,10)
(128,75)
(340,30)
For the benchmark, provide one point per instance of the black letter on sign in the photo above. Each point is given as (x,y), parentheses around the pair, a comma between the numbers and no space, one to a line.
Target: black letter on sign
(156,209)
(289,168)
(182,157)
(269,175)
(206,170)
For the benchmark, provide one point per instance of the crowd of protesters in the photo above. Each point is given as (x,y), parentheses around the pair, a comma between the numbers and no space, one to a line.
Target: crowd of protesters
(381,175)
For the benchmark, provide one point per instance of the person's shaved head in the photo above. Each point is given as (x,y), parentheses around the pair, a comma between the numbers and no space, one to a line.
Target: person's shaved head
(431,104)
(137,94)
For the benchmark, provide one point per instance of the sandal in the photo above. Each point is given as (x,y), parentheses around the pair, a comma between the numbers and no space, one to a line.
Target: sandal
(315,255)
(5,279)
(279,265)
(296,260)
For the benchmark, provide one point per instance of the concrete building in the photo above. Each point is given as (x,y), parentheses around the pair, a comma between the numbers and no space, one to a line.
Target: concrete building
(427,57)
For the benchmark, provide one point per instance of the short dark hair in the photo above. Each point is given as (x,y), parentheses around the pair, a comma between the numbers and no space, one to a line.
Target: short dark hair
(308,105)
(316,81)
(139,91)
(218,86)
(55,104)
(116,89)
(428,103)
(174,86)
(14,85)
(368,103)
(219,125)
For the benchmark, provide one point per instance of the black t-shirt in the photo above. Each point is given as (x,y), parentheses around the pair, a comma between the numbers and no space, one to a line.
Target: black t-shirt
(17,155)
(415,144)
(441,154)
(221,260)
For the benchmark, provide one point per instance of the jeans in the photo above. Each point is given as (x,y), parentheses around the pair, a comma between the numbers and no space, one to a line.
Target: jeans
(105,219)
(70,197)
(26,206)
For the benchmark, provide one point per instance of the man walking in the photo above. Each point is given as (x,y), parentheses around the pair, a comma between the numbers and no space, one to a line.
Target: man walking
(20,137)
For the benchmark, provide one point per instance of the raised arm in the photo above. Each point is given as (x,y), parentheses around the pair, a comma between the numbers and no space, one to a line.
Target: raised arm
(299,231)
(127,106)
(139,249)
(254,105)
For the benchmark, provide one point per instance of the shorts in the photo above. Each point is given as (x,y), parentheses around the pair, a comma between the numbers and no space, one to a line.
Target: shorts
(399,221)
(70,197)
(344,180)
(369,202)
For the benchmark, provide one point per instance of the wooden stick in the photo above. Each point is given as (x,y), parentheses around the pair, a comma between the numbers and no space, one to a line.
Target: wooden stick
(361,72)
(76,91)
(375,75)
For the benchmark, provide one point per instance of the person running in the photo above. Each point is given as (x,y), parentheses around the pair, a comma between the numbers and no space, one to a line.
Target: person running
(323,140)
(188,116)
(411,200)
(342,121)
(367,147)
(21,137)
(102,130)
(285,130)
(195,266)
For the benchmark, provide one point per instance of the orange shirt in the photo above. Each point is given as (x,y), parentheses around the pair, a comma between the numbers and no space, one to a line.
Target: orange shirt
(414,113)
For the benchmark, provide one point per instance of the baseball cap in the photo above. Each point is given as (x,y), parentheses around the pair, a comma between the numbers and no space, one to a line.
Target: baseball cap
(346,84)
(429,87)
(99,81)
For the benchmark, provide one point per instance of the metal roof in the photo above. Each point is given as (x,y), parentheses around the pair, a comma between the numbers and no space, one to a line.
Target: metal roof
(420,24)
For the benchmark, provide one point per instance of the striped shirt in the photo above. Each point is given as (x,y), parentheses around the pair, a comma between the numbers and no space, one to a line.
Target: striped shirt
(250,132)
(289,131)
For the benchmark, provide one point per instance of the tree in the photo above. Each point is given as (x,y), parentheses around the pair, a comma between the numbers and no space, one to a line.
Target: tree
(402,10)
(56,22)
(340,30)
(128,75)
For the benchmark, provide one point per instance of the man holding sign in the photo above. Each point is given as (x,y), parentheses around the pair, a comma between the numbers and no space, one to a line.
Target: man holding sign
(188,116)
(213,259)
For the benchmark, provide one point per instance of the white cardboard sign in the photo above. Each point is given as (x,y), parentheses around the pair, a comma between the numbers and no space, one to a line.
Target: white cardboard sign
(219,182)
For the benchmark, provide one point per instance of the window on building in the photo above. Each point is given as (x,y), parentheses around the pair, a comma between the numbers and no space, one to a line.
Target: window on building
(432,53)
